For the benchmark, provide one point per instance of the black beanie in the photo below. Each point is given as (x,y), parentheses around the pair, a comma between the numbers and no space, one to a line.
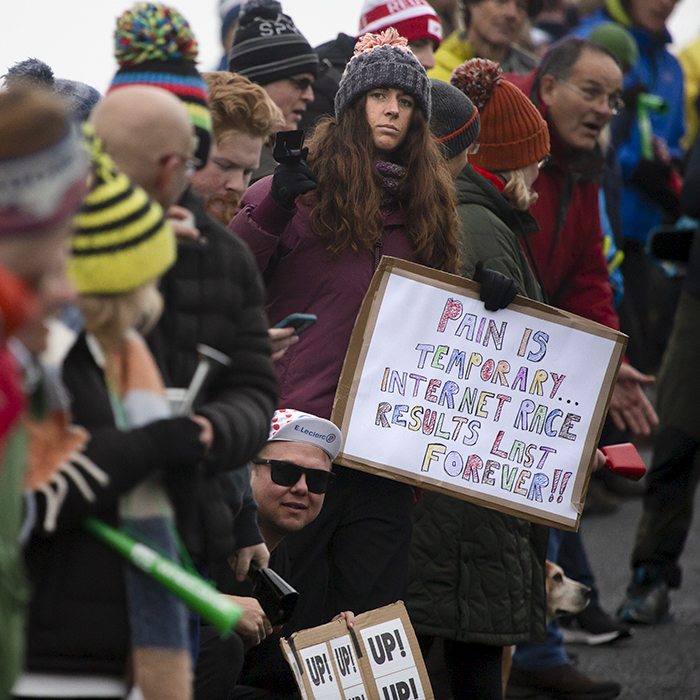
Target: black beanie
(454,120)
(267,46)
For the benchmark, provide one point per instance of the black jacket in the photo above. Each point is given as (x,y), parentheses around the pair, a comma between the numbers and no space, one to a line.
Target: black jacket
(214,295)
(332,59)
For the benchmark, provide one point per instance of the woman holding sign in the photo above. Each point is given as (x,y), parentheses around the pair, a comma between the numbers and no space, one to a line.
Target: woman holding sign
(490,562)
(379,188)
(477,575)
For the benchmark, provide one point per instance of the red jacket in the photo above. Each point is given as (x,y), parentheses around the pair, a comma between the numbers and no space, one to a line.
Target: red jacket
(569,247)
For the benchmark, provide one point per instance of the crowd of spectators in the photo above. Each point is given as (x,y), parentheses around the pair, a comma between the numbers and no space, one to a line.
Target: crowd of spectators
(537,147)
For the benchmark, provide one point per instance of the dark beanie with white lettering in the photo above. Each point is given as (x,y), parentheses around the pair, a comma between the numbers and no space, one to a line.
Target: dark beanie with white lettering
(267,46)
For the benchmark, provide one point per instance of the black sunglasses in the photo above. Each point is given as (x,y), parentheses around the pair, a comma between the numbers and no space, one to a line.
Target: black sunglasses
(302,84)
(288,474)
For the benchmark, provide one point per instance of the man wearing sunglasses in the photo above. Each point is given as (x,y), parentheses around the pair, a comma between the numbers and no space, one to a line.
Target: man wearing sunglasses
(289,479)
(292,473)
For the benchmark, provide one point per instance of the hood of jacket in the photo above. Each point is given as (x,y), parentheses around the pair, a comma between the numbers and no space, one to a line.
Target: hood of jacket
(474,188)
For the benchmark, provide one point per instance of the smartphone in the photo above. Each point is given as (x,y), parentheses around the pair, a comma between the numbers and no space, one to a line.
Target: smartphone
(288,145)
(299,322)
(624,460)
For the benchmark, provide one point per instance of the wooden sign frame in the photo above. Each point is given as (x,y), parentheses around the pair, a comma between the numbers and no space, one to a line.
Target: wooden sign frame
(379,659)
(357,355)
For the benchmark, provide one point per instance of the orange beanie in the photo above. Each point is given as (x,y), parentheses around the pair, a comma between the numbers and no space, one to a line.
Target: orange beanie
(513,132)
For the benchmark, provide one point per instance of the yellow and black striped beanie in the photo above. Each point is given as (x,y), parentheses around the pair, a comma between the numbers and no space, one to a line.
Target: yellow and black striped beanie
(121,238)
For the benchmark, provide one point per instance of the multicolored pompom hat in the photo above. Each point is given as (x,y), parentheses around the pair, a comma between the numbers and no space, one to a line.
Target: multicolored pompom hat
(294,426)
(154,45)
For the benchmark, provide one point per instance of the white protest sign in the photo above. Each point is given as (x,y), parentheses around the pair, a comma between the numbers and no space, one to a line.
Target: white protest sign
(347,666)
(379,659)
(392,661)
(388,648)
(501,408)
(317,664)
(403,685)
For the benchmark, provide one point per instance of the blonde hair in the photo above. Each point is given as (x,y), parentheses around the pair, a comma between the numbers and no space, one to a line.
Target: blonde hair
(110,316)
(236,103)
(516,191)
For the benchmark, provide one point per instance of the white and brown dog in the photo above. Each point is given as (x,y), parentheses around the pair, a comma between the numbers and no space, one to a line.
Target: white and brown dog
(564,597)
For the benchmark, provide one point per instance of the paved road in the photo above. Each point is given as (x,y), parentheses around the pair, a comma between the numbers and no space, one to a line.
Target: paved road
(661,662)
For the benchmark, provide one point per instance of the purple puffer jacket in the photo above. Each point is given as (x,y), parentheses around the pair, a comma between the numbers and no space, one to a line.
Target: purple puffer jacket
(301,276)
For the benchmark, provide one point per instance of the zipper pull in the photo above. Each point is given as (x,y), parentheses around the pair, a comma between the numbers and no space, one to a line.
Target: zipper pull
(377,254)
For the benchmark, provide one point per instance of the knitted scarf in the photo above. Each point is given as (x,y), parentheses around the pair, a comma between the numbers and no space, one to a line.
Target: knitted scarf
(162,665)
(393,188)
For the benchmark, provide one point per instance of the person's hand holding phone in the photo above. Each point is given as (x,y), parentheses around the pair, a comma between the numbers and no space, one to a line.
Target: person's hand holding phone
(292,176)
(281,340)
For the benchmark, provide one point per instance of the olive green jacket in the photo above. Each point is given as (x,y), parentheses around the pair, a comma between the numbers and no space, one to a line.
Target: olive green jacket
(477,575)
(489,231)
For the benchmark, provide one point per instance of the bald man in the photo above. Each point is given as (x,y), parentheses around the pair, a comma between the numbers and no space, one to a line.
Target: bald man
(213,296)
(148,133)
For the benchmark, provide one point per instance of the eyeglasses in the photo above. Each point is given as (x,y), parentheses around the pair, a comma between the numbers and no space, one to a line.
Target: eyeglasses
(287,474)
(595,95)
(191,163)
(543,162)
(302,84)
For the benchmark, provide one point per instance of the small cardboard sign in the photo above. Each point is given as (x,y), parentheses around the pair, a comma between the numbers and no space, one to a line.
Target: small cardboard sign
(379,659)
(503,409)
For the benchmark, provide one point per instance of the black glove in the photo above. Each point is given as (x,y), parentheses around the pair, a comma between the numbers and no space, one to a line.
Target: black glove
(630,94)
(497,290)
(178,440)
(653,178)
(291,180)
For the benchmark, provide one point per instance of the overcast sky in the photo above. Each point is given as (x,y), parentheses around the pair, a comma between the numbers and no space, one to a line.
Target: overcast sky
(75,36)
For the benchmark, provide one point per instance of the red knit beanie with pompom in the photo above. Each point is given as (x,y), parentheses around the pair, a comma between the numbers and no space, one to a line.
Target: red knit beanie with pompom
(513,133)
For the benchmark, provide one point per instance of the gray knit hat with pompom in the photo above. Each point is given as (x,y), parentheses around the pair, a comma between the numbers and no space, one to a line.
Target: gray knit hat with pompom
(80,96)
(383,61)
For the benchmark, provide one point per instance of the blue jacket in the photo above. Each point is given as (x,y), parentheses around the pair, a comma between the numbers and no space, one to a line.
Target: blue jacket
(661,74)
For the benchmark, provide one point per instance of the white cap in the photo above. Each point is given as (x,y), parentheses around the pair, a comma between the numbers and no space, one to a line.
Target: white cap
(294,426)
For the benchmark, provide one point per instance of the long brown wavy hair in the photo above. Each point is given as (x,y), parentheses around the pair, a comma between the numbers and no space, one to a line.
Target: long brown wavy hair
(346,211)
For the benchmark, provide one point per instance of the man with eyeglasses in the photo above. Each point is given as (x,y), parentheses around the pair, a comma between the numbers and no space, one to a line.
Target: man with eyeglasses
(577,89)
(492,30)
(213,295)
(289,478)
(650,187)
(269,50)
